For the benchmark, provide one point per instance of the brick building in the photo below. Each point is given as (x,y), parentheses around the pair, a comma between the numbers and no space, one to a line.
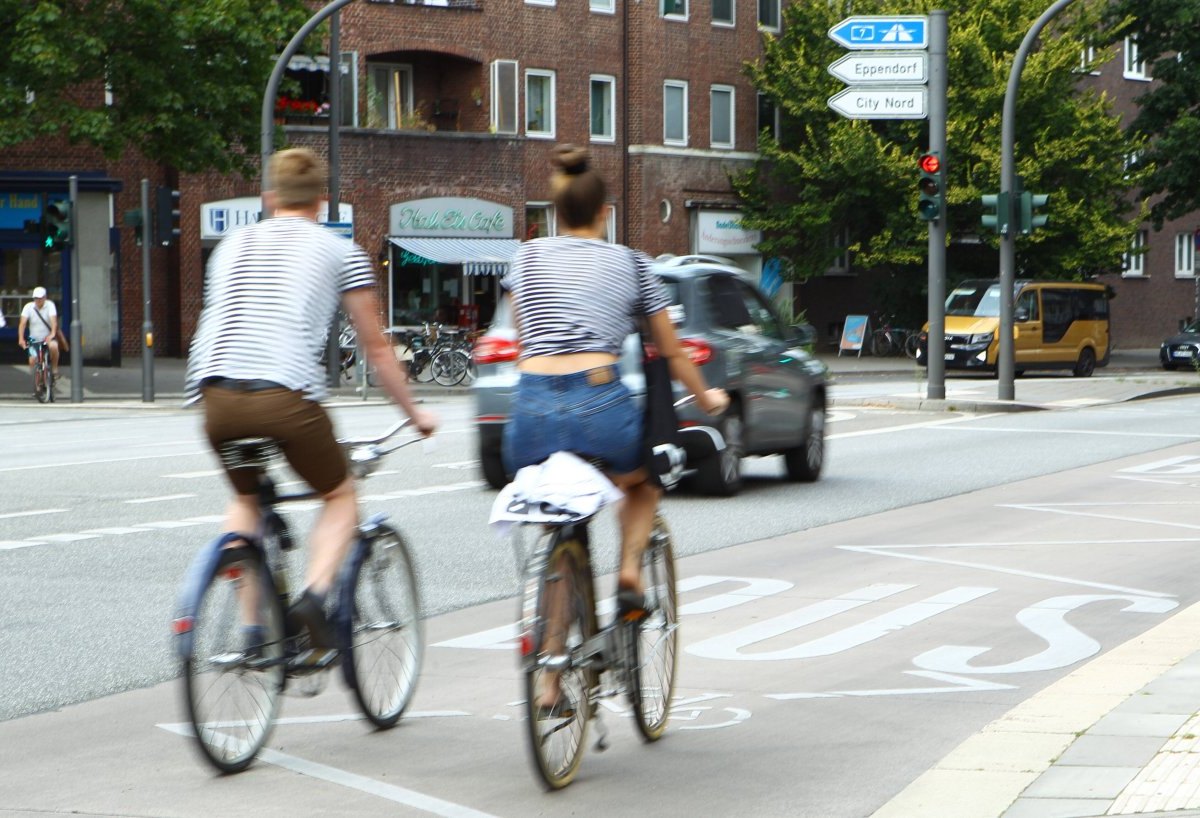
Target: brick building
(450,111)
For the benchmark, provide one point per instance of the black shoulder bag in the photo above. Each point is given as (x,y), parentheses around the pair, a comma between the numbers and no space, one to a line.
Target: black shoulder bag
(660,425)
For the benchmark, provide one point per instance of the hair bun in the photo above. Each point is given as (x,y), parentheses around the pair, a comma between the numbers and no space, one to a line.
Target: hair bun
(571,159)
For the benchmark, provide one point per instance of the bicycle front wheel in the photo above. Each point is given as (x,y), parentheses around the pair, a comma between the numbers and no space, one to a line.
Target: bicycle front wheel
(386,647)
(235,673)
(556,623)
(656,646)
(41,382)
(912,345)
(449,367)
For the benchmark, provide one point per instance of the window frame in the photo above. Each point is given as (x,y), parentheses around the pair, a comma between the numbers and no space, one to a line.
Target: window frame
(713,90)
(394,115)
(731,22)
(1134,263)
(1132,67)
(602,6)
(611,82)
(494,116)
(679,85)
(778,9)
(551,217)
(674,15)
(544,74)
(1185,255)
(776,118)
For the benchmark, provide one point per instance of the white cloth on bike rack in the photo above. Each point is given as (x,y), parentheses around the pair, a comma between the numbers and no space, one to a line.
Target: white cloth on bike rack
(562,488)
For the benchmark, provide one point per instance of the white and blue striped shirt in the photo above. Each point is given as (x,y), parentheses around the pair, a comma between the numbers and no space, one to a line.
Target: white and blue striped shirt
(580,295)
(271,292)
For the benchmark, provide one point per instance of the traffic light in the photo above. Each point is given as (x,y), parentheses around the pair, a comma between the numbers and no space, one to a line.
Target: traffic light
(931,201)
(1001,220)
(56,226)
(166,216)
(1030,218)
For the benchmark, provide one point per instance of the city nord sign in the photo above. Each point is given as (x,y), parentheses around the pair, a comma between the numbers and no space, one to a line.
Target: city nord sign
(882,68)
(881,103)
(905,31)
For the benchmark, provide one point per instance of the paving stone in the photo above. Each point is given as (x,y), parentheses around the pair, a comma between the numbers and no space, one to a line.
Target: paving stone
(1111,751)
(1058,808)
(1081,782)
(1138,724)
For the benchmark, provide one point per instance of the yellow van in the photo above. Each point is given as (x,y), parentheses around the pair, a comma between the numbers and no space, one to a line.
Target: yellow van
(1056,325)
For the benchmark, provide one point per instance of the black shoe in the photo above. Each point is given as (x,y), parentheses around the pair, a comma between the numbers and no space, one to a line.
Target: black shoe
(631,605)
(306,617)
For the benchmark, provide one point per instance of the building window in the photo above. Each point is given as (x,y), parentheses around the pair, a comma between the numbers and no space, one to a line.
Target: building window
(1087,59)
(768,117)
(539,2)
(602,6)
(1135,69)
(539,220)
(675,112)
(389,96)
(1185,255)
(841,263)
(1135,259)
(721,116)
(1132,160)
(768,14)
(539,103)
(674,9)
(504,96)
(610,225)
(723,12)
(603,109)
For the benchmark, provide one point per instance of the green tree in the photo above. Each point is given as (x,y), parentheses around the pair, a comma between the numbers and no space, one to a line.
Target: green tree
(1167,33)
(831,184)
(186,78)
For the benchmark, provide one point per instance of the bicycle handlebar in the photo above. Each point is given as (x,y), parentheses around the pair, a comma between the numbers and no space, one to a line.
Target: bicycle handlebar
(365,453)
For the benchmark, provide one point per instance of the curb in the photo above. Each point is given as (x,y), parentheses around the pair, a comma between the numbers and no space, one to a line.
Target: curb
(983,776)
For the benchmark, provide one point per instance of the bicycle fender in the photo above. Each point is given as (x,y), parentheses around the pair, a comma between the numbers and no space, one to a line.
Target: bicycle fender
(201,569)
(342,617)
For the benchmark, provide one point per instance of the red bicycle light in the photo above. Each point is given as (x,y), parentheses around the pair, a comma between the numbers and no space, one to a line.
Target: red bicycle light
(930,163)
(182,625)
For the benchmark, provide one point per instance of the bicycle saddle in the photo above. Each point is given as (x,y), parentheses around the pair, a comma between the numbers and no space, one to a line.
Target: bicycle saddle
(249,452)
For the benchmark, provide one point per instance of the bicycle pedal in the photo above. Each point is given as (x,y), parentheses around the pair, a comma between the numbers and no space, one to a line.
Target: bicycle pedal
(312,660)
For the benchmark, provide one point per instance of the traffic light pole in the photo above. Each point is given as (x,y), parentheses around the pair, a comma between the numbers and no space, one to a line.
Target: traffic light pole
(76,325)
(1006,365)
(935,343)
(147,316)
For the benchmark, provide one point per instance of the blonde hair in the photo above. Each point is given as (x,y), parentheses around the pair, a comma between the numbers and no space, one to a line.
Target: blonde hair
(577,191)
(298,177)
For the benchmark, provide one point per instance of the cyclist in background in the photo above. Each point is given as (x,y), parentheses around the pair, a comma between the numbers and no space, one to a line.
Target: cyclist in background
(271,293)
(40,319)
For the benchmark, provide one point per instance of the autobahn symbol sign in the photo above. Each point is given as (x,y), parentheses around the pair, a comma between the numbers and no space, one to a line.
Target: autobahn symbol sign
(905,31)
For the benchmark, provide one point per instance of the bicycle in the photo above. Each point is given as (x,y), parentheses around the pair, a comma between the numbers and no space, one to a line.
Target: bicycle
(889,340)
(43,378)
(588,663)
(230,635)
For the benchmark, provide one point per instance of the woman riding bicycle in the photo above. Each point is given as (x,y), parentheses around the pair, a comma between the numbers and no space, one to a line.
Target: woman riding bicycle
(575,298)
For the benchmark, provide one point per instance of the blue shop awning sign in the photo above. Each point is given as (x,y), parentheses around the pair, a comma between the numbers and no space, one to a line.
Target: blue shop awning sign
(477,256)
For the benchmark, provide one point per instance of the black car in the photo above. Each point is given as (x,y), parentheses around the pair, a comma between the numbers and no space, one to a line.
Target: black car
(1182,349)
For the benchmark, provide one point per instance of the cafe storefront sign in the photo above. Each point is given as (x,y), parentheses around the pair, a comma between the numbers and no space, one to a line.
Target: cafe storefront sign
(722,232)
(221,217)
(451,217)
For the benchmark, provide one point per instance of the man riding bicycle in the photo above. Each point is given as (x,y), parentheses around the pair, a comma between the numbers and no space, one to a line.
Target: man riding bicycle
(271,294)
(40,318)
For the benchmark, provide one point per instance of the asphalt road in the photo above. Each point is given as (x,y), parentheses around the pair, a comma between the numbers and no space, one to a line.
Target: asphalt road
(946,567)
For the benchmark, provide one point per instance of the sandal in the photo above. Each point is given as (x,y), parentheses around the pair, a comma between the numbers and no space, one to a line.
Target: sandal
(631,605)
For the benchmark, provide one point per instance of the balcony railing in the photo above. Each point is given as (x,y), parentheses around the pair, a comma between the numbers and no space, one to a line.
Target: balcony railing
(452,4)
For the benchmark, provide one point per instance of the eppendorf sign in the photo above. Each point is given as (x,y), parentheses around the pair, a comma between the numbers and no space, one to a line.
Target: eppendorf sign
(721,231)
(451,217)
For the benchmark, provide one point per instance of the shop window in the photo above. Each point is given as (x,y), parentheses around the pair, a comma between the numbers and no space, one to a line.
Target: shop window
(721,116)
(675,112)
(1135,258)
(539,220)
(504,96)
(603,109)
(389,96)
(539,103)
(723,12)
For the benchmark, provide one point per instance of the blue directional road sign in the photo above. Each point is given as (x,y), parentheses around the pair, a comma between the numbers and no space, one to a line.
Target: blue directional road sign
(900,31)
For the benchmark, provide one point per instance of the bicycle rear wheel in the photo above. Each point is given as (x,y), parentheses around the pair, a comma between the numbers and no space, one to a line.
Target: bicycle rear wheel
(235,674)
(385,640)
(555,625)
(41,380)
(449,367)
(656,646)
(912,345)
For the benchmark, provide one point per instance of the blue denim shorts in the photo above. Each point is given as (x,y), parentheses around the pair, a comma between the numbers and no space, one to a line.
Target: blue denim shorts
(566,413)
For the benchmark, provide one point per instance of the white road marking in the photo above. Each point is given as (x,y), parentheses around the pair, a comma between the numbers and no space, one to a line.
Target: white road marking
(958,684)
(120,529)
(64,537)
(1100,432)
(33,466)
(159,499)
(12,514)
(191,475)
(927,424)
(12,545)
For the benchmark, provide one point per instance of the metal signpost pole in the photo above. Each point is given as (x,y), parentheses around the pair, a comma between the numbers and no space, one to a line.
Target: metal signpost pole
(333,368)
(147,316)
(935,344)
(76,324)
(1006,365)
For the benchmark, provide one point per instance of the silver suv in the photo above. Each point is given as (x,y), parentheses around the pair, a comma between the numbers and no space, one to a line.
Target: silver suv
(732,332)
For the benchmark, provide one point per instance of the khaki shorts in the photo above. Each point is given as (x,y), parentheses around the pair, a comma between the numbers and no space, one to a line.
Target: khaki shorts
(302,428)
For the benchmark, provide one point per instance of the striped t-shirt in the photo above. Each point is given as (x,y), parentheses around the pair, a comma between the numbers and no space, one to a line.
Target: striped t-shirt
(271,293)
(580,295)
